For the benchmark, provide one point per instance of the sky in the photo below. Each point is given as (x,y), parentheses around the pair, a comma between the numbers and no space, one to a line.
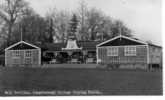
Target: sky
(141,16)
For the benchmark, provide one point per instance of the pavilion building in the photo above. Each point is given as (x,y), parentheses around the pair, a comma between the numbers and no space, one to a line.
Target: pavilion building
(127,52)
(72,51)
(22,54)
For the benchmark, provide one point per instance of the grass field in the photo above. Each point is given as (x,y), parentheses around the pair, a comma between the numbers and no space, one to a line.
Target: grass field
(108,82)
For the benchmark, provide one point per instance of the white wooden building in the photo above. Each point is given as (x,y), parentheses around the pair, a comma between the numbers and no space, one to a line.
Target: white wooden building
(22,54)
(127,52)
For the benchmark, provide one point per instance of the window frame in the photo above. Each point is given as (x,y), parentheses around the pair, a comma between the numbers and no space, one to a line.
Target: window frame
(113,51)
(28,54)
(130,51)
(16,53)
(16,56)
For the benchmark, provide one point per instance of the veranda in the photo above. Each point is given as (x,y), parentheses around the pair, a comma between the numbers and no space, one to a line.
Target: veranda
(70,57)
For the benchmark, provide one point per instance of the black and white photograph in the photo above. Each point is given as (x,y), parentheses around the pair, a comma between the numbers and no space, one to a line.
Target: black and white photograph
(81,48)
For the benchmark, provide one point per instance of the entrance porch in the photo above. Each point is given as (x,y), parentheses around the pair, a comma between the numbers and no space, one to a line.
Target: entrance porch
(71,57)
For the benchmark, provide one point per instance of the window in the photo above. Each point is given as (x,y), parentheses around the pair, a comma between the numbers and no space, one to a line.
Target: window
(16,53)
(16,56)
(28,57)
(130,51)
(28,53)
(112,51)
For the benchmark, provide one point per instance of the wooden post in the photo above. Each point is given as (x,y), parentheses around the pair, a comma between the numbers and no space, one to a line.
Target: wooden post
(97,57)
(148,55)
(6,57)
(39,56)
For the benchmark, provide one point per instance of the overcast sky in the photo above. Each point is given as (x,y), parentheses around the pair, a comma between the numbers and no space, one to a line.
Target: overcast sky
(142,16)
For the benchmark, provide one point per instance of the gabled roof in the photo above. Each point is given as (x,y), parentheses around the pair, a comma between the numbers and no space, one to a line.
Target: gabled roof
(19,46)
(122,40)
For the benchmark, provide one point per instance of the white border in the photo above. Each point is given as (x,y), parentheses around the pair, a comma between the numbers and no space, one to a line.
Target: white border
(99,97)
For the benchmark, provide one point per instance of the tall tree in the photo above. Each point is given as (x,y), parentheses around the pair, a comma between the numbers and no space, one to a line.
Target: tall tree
(10,11)
(33,28)
(50,31)
(118,28)
(73,26)
(82,14)
(60,24)
(104,29)
(94,20)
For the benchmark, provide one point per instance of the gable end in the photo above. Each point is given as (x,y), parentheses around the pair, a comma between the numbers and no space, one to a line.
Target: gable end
(122,41)
(21,45)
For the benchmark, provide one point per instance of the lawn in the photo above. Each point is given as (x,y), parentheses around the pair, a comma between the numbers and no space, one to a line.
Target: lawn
(108,82)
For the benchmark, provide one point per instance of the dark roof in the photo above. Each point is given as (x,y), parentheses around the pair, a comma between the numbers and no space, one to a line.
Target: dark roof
(21,47)
(121,42)
(86,45)
(53,46)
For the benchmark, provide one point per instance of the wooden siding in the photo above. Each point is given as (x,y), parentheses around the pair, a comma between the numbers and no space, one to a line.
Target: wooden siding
(9,60)
(155,55)
(141,56)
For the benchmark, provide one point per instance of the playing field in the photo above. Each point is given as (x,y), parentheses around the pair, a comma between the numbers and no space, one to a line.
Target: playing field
(106,82)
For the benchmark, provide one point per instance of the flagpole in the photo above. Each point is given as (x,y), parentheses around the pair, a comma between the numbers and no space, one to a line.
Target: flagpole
(21,31)
(120,31)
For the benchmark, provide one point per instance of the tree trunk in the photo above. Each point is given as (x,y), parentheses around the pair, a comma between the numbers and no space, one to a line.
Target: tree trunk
(9,34)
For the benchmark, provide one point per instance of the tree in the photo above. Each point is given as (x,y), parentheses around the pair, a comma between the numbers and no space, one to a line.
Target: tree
(118,28)
(60,24)
(99,26)
(73,26)
(104,29)
(50,31)
(33,28)
(94,19)
(90,24)
(10,11)
(82,14)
